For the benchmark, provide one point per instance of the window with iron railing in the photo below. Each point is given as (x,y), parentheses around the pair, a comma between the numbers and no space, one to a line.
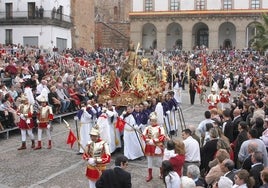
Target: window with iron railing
(174,5)
(227,4)
(148,5)
(200,4)
(255,4)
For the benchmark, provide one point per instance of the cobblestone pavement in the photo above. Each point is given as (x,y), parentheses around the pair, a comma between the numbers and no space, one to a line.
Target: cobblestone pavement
(60,167)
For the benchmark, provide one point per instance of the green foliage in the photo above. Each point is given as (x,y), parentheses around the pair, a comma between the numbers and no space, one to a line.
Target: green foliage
(260,42)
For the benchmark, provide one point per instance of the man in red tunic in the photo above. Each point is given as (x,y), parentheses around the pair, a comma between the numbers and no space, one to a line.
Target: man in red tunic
(25,111)
(44,118)
(224,97)
(154,137)
(98,156)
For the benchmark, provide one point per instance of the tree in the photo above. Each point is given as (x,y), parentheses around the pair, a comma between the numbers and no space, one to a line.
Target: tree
(261,39)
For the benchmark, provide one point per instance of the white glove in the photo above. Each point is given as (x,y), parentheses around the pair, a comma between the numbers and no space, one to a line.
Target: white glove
(151,142)
(28,121)
(136,127)
(48,126)
(168,112)
(37,121)
(91,161)
(124,113)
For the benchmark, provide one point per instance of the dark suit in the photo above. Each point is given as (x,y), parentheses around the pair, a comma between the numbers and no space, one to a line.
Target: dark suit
(235,123)
(228,130)
(255,171)
(247,163)
(230,175)
(114,178)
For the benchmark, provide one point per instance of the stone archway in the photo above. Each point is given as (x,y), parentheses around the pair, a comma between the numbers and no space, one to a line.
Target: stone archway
(227,35)
(200,35)
(174,36)
(149,36)
(227,44)
(251,32)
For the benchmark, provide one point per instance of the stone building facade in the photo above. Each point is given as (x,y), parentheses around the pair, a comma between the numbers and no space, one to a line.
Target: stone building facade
(83,31)
(185,24)
(100,23)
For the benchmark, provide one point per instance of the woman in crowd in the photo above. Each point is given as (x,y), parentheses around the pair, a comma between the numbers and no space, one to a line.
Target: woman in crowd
(243,180)
(170,177)
(177,161)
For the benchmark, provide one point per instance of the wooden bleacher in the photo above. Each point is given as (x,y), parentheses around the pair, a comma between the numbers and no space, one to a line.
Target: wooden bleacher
(59,116)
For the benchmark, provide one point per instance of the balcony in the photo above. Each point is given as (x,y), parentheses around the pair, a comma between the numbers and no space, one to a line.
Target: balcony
(29,18)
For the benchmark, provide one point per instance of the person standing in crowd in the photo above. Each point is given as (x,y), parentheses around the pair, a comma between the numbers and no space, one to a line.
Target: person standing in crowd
(115,141)
(154,137)
(132,142)
(215,172)
(243,152)
(192,90)
(44,118)
(177,161)
(227,127)
(84,116)
(97,155)
(228,168)
(193,172)
(171,179)
(225,97)
(36,12)
(264,178)
(257,167)
(192,150)
(202,125)
(117,177)
(213,99)
(243,180)
(41,12)
(26,124)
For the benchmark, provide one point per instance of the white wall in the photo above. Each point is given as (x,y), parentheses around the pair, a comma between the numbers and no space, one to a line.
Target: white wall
(264,4)
(241,4)
(137,5)
(187,4)
(213,4)
(161,5)
(22,5)
(45,34)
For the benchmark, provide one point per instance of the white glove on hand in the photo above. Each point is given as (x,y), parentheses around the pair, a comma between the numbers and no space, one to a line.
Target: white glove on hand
(168,112)
(48,126)
(91,161)
(28,121)
(136,127)
(37,121)
(151,142)
(104,110)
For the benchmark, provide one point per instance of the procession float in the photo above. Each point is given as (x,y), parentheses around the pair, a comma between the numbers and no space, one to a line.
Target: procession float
(136,80)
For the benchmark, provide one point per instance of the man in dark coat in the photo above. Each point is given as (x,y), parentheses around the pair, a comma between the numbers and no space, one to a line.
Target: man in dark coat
(257,167)
(116,177)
